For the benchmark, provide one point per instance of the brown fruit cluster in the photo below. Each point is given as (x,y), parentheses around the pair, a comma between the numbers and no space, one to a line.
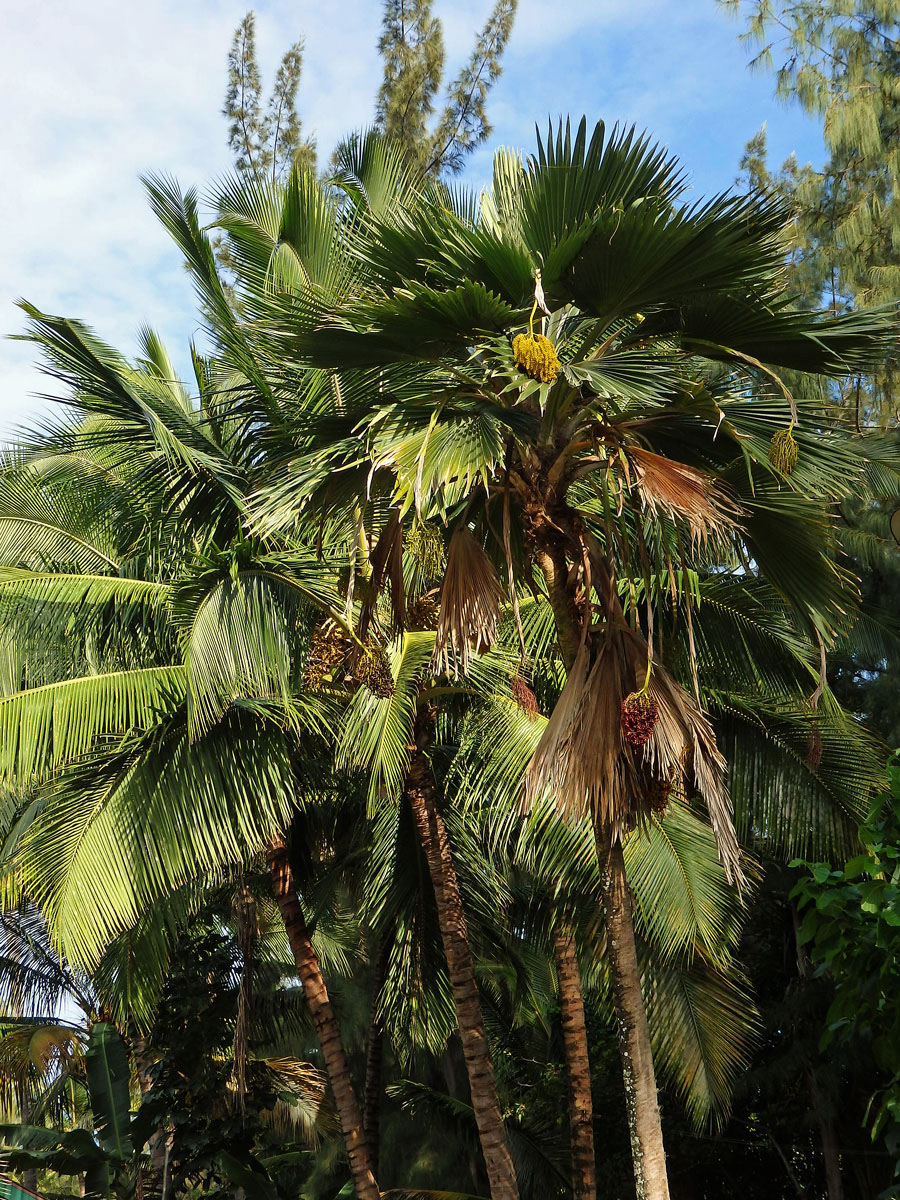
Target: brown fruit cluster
(327,651)
(639,716)
(373,671)
(536,355)
(424,613)
(524,696)
(660,793)
(331,652)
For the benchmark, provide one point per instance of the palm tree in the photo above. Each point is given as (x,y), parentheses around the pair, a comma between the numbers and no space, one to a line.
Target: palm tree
(623,477)
(142,614)
(639,430)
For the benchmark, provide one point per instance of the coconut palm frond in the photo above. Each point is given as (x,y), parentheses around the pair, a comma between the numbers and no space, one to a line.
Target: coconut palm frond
(43,727)
(703,1026)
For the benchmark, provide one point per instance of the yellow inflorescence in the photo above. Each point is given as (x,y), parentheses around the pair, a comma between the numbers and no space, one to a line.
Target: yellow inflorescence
(536,355)
(783,451)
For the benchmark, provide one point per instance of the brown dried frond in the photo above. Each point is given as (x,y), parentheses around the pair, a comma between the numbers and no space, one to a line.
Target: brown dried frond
(682,492)
(683,725)
(580,758)
(584,760)
(469,604)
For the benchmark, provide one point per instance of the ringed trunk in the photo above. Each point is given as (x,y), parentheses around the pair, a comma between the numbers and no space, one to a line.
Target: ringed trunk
(432,836)
(641,1101)
(374,1060)
(581,1112)
(834,1182)
(310,972)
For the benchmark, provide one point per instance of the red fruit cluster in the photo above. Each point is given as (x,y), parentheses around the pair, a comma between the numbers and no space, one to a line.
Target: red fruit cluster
(639,717)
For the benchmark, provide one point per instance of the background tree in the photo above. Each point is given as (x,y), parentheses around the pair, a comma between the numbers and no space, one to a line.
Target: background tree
(265,142)
(840,62)
(411,45)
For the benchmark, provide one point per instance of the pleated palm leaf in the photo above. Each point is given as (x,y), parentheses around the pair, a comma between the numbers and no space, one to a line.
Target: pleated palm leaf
(585,377)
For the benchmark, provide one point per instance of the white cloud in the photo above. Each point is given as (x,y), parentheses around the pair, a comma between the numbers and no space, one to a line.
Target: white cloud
(99,92)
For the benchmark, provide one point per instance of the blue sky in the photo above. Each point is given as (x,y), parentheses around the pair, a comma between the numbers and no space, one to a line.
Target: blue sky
(100,91)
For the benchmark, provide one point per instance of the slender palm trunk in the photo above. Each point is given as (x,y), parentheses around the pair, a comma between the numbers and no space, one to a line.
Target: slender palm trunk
(581,1112)
(374,1060)
(461,969)
(29,1175)
(834,1183)
(316,993)
(157,1142)
(641,1101)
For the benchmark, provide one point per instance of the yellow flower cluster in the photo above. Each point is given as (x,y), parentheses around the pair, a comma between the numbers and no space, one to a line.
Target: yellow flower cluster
(536,355)
(783,451)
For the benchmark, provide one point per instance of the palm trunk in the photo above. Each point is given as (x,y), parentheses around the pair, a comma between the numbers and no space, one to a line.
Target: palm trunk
(834,1183)
(374,1060)
(641,1101)
(581,1112)
(461,969)
(316,993)
(157,1142)
(29,1175)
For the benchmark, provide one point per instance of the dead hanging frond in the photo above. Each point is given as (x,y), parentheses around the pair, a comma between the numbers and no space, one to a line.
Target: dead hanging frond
(585,763)
(247,930)
(469,604)
(303,1111)
(684,493)
(579,761)
(386,563)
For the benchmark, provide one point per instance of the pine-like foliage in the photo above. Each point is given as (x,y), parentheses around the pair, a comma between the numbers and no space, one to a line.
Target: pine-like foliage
(840,60)
(265,142)
(412,47)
